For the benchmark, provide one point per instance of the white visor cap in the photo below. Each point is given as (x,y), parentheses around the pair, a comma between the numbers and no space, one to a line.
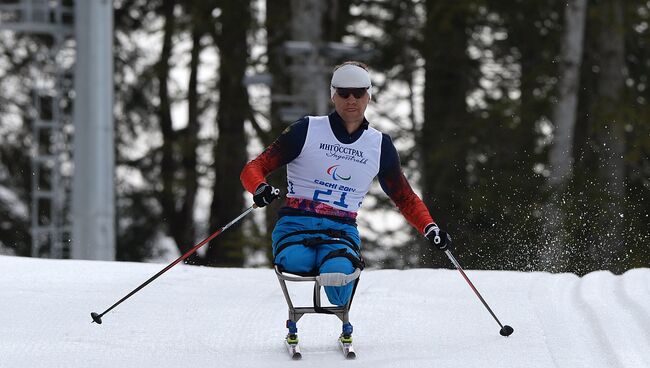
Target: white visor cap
(350,76)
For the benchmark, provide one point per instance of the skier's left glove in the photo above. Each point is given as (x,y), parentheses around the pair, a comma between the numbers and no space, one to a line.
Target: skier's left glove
(438,238)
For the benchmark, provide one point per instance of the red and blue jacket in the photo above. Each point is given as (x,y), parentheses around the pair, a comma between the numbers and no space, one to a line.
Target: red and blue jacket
(391,178)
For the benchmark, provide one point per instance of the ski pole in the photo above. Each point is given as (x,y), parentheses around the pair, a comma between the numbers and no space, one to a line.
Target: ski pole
(505,329)
(98,317)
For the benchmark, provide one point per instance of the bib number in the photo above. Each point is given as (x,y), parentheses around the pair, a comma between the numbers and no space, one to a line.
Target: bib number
(327,196)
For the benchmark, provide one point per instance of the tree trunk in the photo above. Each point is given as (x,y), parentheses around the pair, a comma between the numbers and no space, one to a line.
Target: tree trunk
(611,135)
(179,157)
(278,19)
(442,138)
(168,166)
(553,256)
(230,148)
(189,145)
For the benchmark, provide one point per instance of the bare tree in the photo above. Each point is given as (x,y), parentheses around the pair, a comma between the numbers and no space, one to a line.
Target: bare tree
(230,147)
(442,140)
(564,117)
(611,135)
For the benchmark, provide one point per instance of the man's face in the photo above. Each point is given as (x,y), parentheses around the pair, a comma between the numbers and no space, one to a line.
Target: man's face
(350,107)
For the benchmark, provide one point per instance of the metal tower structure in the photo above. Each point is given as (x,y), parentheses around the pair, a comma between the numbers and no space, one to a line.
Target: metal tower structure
(52,218)
(311,62)
(50,229)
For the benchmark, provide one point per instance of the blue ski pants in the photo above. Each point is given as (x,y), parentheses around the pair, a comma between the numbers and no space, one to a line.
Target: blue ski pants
(301,259)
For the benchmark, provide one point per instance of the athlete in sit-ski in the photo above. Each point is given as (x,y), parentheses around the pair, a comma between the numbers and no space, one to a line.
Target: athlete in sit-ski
(331,162)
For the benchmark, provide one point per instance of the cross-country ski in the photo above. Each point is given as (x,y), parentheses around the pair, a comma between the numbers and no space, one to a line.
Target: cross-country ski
(346,348)
(293,348)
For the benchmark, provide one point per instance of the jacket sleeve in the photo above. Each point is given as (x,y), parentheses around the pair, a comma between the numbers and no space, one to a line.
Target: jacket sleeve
(394,183)
(286,148)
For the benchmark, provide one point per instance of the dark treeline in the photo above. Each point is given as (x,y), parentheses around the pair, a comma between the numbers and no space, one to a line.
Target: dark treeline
(525,125)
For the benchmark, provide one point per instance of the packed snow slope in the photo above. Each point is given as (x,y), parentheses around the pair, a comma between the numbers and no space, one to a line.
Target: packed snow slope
(207,317)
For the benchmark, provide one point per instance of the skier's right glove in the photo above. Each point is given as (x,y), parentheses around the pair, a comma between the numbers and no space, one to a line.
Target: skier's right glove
(438,238)
(265,194)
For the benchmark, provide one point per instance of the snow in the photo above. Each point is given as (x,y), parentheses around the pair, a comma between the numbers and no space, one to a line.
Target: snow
(217,317)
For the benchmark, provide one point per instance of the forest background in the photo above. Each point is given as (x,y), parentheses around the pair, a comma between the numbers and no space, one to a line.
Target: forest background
(524,125)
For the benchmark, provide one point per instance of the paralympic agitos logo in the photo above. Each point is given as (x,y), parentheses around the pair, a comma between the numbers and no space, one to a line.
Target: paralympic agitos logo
(336,176)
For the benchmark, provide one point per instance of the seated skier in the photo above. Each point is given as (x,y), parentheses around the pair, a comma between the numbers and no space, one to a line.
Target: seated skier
(331,162)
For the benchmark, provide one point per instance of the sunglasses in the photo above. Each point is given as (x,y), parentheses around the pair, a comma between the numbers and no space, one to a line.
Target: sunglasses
(356,92)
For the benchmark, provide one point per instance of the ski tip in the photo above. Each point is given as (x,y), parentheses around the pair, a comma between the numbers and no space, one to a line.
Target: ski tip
(296,356)
(351,355)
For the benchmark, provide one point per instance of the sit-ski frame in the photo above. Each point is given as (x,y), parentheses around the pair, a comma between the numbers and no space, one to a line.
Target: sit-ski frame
(295,313)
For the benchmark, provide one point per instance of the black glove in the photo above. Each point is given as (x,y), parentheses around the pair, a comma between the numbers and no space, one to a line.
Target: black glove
(265,194)
(438,238)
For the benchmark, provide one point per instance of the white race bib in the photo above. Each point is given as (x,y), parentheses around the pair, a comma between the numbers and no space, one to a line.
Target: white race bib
(331,172)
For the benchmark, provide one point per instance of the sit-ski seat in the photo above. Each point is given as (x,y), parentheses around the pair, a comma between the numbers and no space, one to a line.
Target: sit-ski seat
(295,313)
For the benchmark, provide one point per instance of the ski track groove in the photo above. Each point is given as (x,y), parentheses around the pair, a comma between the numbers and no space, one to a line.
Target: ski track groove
(636,310)
(254,323)
(569,307)
(531,298)
(583,302)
